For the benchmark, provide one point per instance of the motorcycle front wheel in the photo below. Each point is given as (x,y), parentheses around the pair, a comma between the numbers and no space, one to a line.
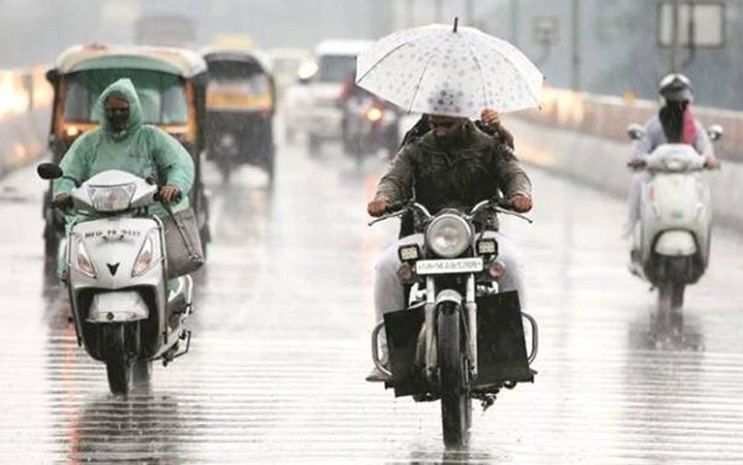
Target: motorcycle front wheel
(456,405)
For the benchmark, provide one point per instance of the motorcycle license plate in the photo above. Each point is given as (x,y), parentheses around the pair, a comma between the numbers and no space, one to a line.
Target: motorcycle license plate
(457,265)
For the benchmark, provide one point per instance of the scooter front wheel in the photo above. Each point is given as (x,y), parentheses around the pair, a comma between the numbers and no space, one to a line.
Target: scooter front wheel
(118,361)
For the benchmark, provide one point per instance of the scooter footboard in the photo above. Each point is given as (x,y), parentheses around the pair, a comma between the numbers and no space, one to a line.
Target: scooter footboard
(501,348)
(402,329)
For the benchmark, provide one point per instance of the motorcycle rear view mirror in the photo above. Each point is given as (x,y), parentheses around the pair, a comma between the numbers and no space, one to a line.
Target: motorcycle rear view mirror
(715,132)
(635,132)
(49,171)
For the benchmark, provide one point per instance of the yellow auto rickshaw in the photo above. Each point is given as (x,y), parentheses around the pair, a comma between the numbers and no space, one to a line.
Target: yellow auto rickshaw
(171,85)
(241,103)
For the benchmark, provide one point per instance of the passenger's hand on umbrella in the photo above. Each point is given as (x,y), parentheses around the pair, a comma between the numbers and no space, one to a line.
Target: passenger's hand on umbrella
(491,118)
(377,207)
(169,193)
(711,163)
(521,203)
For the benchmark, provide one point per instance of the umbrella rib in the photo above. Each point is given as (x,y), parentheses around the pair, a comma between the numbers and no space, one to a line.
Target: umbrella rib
(358,80)
(418,85)
(482,73)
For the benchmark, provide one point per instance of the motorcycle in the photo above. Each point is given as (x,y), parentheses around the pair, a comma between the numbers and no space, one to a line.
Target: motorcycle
(122,309)
(671,240)
(459,338)
(369,126)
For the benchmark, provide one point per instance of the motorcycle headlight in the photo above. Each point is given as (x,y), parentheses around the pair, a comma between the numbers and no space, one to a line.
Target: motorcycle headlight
(84,264)
(374,114)
(146,258)
(448,236)
(111,198)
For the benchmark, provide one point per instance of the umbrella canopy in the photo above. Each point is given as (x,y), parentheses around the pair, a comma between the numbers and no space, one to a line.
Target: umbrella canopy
(449,71)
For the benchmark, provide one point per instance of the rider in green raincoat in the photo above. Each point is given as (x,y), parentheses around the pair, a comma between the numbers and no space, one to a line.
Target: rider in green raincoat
(123,142)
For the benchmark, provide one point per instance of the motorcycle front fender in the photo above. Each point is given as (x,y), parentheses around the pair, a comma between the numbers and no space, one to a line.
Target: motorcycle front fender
(118,307)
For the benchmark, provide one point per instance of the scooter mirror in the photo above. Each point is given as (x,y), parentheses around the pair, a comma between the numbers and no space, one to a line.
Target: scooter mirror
(49,171)
(715,132)
(635,131)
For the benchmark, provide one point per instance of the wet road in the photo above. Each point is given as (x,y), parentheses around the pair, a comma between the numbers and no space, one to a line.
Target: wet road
(281,343)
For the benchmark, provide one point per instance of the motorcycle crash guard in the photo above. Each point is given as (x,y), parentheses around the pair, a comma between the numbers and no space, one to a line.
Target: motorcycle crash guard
(501,348)
(402,329)
(118,307)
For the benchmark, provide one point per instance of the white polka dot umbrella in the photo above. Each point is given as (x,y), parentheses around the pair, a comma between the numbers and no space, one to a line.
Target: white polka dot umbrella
(449,71)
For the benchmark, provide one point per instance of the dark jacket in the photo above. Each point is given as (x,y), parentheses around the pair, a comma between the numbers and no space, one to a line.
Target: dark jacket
(479,167)
(422,127)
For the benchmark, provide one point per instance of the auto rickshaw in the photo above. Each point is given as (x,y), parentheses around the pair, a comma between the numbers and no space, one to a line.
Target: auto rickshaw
(171,85)
(240,102)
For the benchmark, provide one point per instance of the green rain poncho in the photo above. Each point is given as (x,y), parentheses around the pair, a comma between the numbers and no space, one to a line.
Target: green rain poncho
(142,150)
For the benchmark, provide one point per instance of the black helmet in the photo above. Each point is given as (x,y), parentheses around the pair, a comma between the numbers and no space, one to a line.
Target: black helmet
(676,87)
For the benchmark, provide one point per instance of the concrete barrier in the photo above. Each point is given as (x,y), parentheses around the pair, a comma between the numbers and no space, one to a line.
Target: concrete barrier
(601,162)
(608,118)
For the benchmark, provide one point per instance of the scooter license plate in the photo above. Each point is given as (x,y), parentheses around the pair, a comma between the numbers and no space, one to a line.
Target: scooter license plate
(453,266)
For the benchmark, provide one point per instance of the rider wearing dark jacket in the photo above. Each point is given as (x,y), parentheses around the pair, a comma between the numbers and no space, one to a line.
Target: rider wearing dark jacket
(454,165)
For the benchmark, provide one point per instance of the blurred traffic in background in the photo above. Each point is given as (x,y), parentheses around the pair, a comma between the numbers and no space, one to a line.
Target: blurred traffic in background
(287,151)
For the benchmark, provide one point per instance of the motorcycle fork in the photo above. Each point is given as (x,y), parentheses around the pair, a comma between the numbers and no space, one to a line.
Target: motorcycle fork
(469,327)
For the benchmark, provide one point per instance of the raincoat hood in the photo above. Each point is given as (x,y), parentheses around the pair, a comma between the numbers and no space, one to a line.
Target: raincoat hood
(125,89)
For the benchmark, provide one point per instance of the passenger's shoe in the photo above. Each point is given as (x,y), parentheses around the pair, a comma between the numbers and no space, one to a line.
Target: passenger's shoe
(378,376)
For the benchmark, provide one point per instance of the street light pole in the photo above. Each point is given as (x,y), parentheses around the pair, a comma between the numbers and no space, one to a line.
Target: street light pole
(469,12)
(575,58)
(675,39)
(515,22)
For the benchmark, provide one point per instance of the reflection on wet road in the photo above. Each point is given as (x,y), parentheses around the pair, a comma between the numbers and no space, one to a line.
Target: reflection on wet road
(281,343)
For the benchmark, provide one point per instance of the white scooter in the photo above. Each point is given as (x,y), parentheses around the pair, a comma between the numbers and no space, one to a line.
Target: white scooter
(671,241)
(123,312)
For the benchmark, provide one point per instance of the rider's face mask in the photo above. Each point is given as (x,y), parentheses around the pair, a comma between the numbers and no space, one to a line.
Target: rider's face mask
(117,118)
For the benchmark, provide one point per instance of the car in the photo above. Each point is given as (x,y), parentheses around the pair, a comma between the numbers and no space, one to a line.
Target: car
(316,110)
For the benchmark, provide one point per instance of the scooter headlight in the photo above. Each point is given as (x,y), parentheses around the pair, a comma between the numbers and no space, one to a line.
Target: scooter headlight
(448,236)
(84,264)
(146,258)
(111,198)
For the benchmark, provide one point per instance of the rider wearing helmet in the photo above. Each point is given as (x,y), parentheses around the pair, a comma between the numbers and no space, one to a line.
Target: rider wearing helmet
(674,124)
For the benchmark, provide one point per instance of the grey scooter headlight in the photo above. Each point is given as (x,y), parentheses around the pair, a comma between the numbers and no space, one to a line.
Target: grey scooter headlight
(448,235)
